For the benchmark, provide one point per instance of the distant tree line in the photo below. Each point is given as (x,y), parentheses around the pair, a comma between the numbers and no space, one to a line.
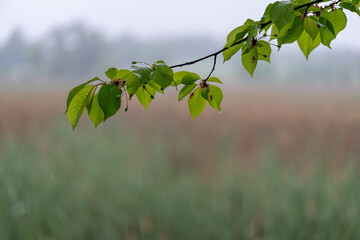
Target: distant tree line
(75,52)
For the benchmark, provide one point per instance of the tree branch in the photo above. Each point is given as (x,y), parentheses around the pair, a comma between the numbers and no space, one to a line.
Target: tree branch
(307,5)
(208,56)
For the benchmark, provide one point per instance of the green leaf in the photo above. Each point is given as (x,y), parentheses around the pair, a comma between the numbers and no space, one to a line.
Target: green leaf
(204,93)
(186,90)
(348,5)
(311,28)
(185,77)
(77,89)
(249,60)
(77,105)
(275,33)
(89,99)
(214,79)
(155,86)
(266,15)
(132,80)
(282,13)
(264,50)
(227,54)
(306,43)
(215,96)
(109,100)
(326,30)
(143,71)
(145,95)
(330,27)
(325,23)
(337,18)
(239,33)
(351,5)
(123,74)
(111,73)
(96,114)
(196,103)
(254,30)
(178,77)
(298,2)
(190,78)
(292,33)
(163,75)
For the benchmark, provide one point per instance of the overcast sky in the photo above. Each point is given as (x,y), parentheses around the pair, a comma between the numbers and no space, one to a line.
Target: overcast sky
(144,18)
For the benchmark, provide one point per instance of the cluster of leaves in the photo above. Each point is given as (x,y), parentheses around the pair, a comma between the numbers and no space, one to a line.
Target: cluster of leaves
(288,22)
(301,21)
(143,81)
(352,5)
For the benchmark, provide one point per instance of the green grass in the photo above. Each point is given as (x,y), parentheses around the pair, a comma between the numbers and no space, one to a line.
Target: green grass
(117,183)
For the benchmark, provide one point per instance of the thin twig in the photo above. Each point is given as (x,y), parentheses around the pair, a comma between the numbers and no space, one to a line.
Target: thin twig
(208,56)
(127,101)
(212,70)
(306,11)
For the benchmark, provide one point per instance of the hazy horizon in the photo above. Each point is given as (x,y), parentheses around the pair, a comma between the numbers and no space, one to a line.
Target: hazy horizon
(144,20)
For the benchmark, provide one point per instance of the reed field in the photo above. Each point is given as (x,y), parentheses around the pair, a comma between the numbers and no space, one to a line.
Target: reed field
(275,164)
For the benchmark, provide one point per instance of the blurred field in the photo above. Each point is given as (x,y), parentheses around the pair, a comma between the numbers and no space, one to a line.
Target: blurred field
(275,164)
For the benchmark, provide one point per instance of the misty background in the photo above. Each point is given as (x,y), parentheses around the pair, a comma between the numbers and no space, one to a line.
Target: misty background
(281,161)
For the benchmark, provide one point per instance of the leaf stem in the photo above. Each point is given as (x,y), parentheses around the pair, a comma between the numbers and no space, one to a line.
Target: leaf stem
(213,68)
(306,11)
(127,101)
